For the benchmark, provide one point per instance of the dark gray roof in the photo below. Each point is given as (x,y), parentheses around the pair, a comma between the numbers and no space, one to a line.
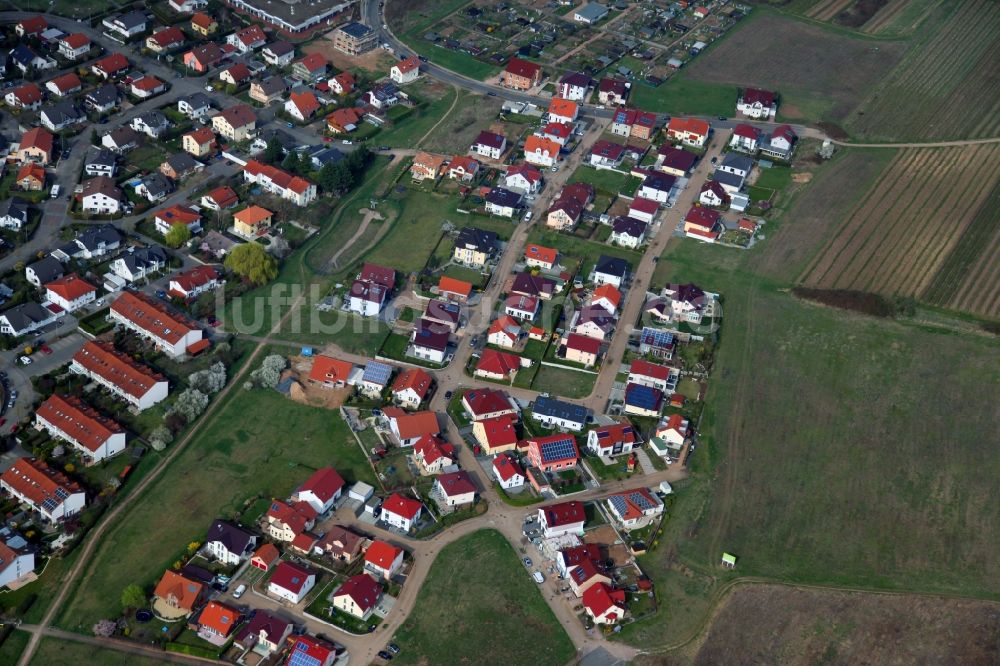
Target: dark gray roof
(726,178)
(198,100)
(93,237)
(17,209)
(143,257)
(659,181)
(273,85)
(22,316)
(551,407)
(736,161)
(182,162)
(235,539)
(280,48)
(629,226)
(131,19)
(325,156)
(476,239)
(611,266)
(356,30)
(47,269)
(286,140)
(154,119)
(157,183)
(106,94)
(22,54)
(101,157)
(124,136)
(499,196)
(62,112)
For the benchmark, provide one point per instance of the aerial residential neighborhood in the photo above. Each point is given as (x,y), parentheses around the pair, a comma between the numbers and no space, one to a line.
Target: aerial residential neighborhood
(331,329)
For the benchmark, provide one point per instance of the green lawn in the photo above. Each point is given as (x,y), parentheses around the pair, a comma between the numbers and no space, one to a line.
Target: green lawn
(55,652)
(12,648)
(568,383)
(605,180)
(462,63)
(415,231)
(585,251)
(680,96)
(408,132)
(260,443)
(818,426)
(478,587)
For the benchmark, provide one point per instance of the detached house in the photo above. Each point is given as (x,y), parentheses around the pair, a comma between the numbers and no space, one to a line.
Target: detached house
(278,54)
(165,39)
(31,177)
(178,214)
(563,518)
(541,151)
(505,332)
(357,597)
(574,86)
(36,145)
(521,74)
(502,202)
(553,453)
(268,90)
(229,543)
(371,290)
(554,413)
(383,560)
(563,111)
(612,91)
(128,24)
(25,96)
(203,58)
(100,196)
(523,178)
(70,292)
(604,604)
(235,75)
(675,161)
(312,67)
(67,84)
(400,512)
(490,144)
(690,131)
(745,138)
(411,387)
(498,365)
(496,435)
(780,144)
(110,66)
(102,100)
(177,596)
(713,194)
(216,622)
(702,224)
(151,123)
(61,115)
(606,154)
(199,142)
(426,166)
(565,211)
(302,106)
(507,471)
(121,140)
(291,582)
(321,489)
(248,39)
(612,440)
(634,508)
(342,84)
(405,71)
(236,123)
(756,103)
(75,46)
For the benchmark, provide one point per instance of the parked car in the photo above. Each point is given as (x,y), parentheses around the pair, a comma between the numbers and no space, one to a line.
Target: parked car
(25,360)
(160,293)
(46,349)
(239,591)
(384,655)
(527,561)
(393,648)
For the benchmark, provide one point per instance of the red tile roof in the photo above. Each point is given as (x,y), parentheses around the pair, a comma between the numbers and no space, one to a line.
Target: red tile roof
(112,64)
(402,506)
(223,196)
(324,483)
(219,618)
(499,431)
(541,253)
(131,378)
(688,126)
(28,94)
(85,425)
(583,343)
(183,591)
(66,82)
(519,67)
(33,25)
(452,286)
(414,425)
(564,513)
(413,378)
(306,103)
(76,40)
(363,589)
(178,214)
(746,131)
(498,362)
(38,137)
(754,95)
(432,448)
(167,36)
(647,369)
(507,466)
(38,482)
(599,599)
(702,217)
(267,554)
(289,576)
(456,483)
(296,516)
(407,65)
(486,401)
(382,554)
(328,369)
(313,62)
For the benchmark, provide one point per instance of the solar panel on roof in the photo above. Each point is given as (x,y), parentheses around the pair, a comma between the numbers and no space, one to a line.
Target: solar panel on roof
(49,504)
(619,504)
(640,501)
(300,658)
(377,373)
(657,337)
(61,493)
(558,450)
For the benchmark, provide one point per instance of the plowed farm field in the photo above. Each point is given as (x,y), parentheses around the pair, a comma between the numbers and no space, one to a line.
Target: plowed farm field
(925,228)
(948,84)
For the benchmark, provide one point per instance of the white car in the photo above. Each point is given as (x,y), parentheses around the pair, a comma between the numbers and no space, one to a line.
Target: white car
(239,591)
(539,578)
(25,360)
(527,216)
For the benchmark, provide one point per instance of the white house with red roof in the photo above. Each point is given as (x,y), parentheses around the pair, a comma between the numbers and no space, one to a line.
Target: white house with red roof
(523,179)
(296,189)
(247,39)
(409,428)
(540,256)
(562,518)
(643,209)
(321,490)
(291,582)
(194,282)
(137,384)
(568,559)
(607,297)
(585,575)
(745,138)
(302,106)
(46,490)
(358,597)
(94,435)
(286,521)
(412,387)
(454,489)
(177,214)
(171,333)
(507,471)
(505,332)
(634,509)
(432,454)
(612,440)
(74,46)
(405,71)
(498,365)
(400,512)
(70,292)
(489,144)
(311,651)
(649,374)
(713,194)
(756,103)
(673,431)
(486,403)
(383,560)
(603,604)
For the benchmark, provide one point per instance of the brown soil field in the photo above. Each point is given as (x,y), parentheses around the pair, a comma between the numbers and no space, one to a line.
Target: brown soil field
(826,10)
(471,115)
(822,73)
(774,624)
(939,91)
(307,393)
(909,222)
(376,60)
(813,215)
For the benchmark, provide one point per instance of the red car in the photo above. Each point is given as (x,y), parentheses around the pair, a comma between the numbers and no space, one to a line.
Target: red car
(327,139)
(46,350)
(15,428)
(3,421)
